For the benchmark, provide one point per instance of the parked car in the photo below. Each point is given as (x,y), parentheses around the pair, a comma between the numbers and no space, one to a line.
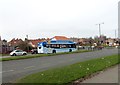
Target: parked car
(18,52)
(34,51)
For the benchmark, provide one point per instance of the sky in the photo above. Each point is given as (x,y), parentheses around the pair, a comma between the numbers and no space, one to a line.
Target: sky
(49,18)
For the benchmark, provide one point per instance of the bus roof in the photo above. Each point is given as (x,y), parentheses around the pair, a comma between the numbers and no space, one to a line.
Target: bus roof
(57,42)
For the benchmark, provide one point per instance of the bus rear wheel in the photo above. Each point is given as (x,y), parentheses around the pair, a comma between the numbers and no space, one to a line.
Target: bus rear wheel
(70,50)
(54,51)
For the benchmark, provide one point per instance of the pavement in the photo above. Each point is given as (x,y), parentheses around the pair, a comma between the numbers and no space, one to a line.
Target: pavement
(108,76)
(13,70)
(5,56)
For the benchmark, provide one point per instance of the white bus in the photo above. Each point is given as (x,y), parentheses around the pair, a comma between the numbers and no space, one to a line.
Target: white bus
(56,46)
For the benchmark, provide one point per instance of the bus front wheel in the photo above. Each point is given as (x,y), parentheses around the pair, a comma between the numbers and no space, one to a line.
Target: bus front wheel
(54,51)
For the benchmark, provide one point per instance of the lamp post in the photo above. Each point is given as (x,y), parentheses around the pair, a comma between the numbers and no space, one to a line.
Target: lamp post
(100,31)
(115,34)
(27,43)
(100,28)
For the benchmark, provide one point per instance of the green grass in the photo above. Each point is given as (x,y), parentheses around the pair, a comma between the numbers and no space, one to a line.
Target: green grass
(65,75)
(40,55)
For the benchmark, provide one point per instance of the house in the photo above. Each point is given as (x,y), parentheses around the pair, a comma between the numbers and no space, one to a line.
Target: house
(59,38)
(74,39)
(34,42)
(84,41)
(14,42)
(4,47)
(110,42)
(81,41)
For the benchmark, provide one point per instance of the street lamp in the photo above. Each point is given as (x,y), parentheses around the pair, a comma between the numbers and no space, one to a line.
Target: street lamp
(100,28)
(99,42)
(27,43)
(115,33)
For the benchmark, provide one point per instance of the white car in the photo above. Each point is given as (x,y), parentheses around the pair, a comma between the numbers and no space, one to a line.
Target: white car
(18,52)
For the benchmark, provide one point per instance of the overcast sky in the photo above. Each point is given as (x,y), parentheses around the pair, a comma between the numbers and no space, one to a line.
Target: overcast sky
(48,18)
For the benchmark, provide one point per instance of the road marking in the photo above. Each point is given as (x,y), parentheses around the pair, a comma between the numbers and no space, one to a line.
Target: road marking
(6,71)
(29,67)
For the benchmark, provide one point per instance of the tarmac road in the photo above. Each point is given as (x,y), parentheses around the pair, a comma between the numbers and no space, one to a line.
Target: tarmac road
(12,70)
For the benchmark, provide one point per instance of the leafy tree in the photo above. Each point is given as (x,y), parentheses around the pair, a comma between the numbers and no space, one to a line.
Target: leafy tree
(24,45)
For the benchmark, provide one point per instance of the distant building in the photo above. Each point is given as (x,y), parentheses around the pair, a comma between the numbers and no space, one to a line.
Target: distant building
(59,38)
(84,41)
(109,41)
(80,41)
(112,42)
(34,42)
(14,42)
(4,47)
(75,39)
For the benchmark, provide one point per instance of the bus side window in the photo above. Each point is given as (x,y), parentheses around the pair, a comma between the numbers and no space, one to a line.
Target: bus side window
(47,46)
(57,46)
(69,46)
(44,45)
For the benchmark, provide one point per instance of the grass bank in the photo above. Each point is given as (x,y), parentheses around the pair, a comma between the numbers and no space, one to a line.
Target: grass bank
(40,55)
(4,54)
(66,75)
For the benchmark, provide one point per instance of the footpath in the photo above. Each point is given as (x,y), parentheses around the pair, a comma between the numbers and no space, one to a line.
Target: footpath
(108,76)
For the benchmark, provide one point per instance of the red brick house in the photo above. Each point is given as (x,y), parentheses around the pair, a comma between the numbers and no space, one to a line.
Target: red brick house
(14,42)
(34,42)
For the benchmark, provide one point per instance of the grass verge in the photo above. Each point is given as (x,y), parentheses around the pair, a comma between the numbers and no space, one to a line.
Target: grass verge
(40,55)
(65,75)
(4,54)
